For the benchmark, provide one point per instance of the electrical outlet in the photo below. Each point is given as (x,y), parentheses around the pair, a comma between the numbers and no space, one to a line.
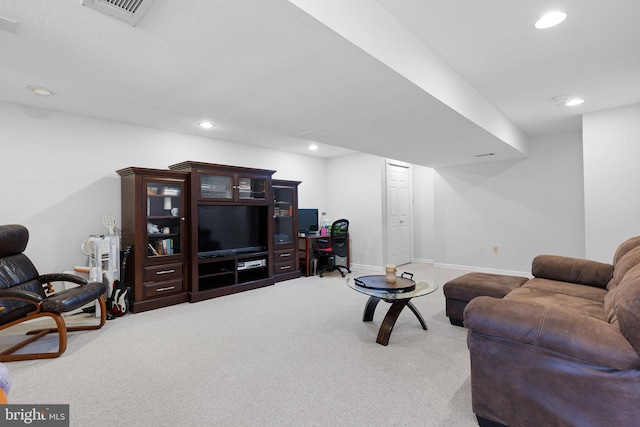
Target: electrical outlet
(496,249)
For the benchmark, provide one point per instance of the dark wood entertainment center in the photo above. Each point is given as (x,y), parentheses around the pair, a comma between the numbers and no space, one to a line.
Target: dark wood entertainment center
(207,230)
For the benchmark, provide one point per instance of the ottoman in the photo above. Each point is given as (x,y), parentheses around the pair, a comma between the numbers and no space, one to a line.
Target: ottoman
(463,289)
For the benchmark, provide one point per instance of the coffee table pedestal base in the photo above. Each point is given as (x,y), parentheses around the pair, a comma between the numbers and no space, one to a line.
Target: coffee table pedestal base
(390,318)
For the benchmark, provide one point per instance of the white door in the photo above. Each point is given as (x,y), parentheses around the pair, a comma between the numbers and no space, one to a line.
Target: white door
(398,214)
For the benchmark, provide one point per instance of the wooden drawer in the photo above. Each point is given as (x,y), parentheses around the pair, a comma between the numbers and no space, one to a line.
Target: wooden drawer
(162,272)
(284,267)
(284,255)
(158,289)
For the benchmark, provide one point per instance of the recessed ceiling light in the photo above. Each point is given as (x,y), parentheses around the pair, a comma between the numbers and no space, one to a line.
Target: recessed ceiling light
(568,101)
(550,19)
(574,101)
(39,91)
(313,147)
(206,125)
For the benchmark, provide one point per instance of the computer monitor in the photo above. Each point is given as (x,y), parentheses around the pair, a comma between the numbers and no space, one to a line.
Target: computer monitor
(308,221)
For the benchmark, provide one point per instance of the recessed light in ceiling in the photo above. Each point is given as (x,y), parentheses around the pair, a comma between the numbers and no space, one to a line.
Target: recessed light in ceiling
(313,147)
(39,91)
(206,125)
(550,19)
(568,101)
(574,101)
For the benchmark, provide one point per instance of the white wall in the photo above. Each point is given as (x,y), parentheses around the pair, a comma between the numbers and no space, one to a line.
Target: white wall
(58,179)
(423,214)
(58,174)
(354,191)
(524,207)
(612,205)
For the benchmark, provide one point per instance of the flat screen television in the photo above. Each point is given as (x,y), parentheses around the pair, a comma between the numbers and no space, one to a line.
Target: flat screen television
(307,220)
(229,230)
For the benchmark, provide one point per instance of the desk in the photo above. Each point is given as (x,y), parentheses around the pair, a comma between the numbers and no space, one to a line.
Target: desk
(305,247)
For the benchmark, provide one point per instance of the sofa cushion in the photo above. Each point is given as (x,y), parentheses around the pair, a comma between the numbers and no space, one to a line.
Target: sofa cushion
(471,285)
(623,265)
(625,247)
(565,288)
(572,270)
(626,306)
(557,301)
(609,314)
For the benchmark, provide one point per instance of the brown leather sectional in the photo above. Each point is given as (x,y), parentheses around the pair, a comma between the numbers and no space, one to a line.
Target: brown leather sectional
(562,349)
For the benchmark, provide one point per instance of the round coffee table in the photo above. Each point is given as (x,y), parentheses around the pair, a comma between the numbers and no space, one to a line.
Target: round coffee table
(399,295)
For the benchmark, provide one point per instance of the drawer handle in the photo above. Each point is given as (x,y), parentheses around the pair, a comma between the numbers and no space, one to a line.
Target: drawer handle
(165,272)
(286,267)
(168,288)
(284,255)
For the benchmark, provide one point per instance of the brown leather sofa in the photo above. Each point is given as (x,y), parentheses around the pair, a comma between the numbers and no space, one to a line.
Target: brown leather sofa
(563,349)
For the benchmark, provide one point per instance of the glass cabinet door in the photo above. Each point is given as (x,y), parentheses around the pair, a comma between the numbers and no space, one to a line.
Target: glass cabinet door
(164,218)
(216,186)
(232,187)
(252,188)
(283,215)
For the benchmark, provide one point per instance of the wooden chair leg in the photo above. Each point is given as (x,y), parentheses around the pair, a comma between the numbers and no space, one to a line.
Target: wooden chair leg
(8,356)
(103,319)
(61,329)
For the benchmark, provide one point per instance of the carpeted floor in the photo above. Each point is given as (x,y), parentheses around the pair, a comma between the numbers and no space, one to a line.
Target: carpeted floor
(293,354)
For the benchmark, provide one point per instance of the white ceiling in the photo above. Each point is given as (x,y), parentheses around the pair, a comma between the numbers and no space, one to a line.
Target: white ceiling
(266,71)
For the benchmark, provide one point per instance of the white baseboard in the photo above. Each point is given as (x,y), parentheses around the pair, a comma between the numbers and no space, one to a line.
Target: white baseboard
(484,270)
(374,268)
(424,261)
(380,269)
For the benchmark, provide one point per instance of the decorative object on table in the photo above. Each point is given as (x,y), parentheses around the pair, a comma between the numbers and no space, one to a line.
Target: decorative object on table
(390,277)
(404,283)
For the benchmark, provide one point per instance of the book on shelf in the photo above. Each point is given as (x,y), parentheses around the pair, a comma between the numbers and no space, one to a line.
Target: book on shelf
(151,250)
(161,247)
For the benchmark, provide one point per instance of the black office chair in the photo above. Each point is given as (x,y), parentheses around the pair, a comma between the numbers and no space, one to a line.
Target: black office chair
(327,249)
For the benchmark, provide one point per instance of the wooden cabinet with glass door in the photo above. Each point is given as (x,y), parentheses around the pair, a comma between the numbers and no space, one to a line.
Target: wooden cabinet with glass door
(231,229)
(286,264)
(154,222)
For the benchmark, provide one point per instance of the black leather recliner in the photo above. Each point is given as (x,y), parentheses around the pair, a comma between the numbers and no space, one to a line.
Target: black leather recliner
(26,295)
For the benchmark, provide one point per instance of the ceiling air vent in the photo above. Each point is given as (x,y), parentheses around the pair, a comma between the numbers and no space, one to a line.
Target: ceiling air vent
(130,11)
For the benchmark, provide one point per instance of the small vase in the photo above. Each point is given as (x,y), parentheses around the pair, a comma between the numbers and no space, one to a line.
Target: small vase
(390,277)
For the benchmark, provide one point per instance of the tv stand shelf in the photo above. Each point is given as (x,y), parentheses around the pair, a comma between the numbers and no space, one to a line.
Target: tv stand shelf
(219,276)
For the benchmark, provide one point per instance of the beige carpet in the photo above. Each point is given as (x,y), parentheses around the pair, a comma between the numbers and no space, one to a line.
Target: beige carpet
(293,354)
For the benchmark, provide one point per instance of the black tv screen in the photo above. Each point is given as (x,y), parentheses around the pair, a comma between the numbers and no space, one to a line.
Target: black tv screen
(307,220)
(229,230)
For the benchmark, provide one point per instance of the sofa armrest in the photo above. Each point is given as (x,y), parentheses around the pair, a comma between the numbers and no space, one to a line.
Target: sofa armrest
(572,270)
(558,330)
